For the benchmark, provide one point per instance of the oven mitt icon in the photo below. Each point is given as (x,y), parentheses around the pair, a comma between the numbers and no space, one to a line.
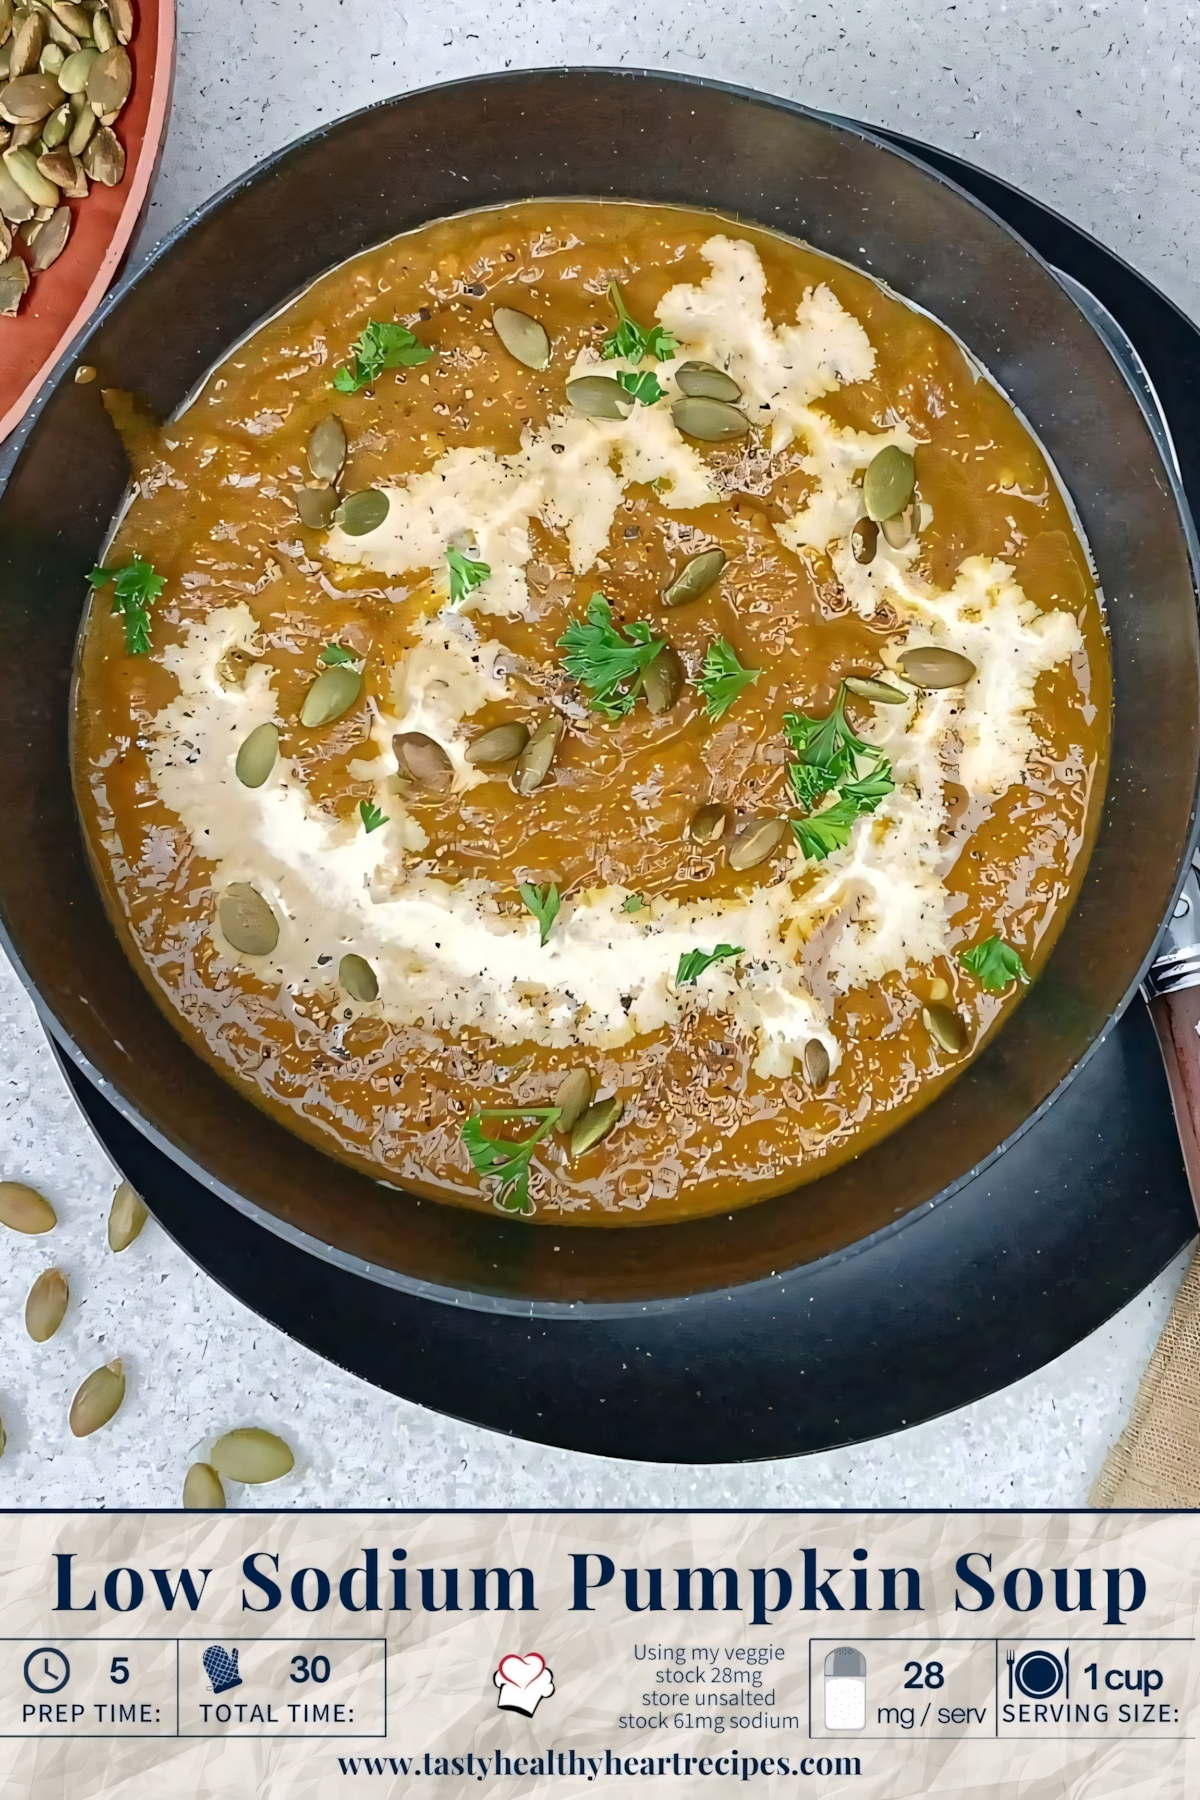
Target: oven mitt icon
(221,1667)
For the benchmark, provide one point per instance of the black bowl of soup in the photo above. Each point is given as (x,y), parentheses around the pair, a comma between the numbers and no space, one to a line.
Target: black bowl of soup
(598,710)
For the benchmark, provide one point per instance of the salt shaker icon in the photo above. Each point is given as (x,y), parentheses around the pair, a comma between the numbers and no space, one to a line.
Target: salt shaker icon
(845,1689)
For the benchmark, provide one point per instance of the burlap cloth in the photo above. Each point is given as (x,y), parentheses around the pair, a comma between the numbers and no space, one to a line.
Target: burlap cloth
(1156,1459)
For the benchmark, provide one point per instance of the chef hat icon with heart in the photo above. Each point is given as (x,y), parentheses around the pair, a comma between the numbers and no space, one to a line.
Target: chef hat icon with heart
(524,1682)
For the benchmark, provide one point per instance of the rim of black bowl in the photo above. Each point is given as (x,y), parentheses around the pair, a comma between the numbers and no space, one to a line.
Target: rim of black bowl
(474,1298)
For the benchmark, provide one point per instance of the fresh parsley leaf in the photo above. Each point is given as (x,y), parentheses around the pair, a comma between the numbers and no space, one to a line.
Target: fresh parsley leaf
(544,907)
(382,345)
(722,678)
(994,964)
(371,816)
(508,1162)
(603,659)
(807,783)
(335,653)
(827,744)
(823,832)
(694,962)
(135,589)
(630,341)
(465,575)
(642,384)
(633,903)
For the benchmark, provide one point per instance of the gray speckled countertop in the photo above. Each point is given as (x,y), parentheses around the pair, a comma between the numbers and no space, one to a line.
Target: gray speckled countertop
(1083,105)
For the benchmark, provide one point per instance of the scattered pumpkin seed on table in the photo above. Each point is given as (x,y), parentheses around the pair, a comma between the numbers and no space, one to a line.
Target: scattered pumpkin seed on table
(202,1490)
(126,1216)
(46,1306)
(23,1209)
(251,1455)
(97,1399)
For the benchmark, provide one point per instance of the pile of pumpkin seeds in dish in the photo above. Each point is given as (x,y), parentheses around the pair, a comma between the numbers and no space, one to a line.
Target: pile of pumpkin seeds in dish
(65,75)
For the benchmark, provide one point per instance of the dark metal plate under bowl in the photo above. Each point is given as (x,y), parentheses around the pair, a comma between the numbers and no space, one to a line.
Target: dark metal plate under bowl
(933,1269)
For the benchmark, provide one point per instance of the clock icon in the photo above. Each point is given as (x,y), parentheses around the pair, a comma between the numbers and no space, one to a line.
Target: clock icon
(47,1670)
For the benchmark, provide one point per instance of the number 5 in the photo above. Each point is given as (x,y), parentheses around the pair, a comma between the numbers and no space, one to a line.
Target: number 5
(119,1672)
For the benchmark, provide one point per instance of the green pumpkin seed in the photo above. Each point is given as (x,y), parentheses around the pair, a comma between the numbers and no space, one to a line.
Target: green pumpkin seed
(202,1490)
(864,541)
(594,1124)
(103,158)
(712,421)
(503,743)
(755,842)
(708,826)
(14,284)
(257,756)
(600,397)
(573,1098)
(327,449)
(945,1027)
(51,240)
(121,14)
(534,763)
(247,922)
(362,512)
(522,337)
(316,507)
(81,131)
(99,1396)
(331,694)
(881,692)
(423,760)
(251,1455)
(6,18)
(52,59)
(22,166)
(126,1216)
(25,45)
(57,128)
(29,99)
(888,483)
(109,81)
(816,1063)
(73,76)
(663,679)
(15,203)
(932,667)
(46,1306)
(898,531)
(358,978)
(74,17)
(700,381)
(23,1209)
(60,39)
(103,35)
(695,578)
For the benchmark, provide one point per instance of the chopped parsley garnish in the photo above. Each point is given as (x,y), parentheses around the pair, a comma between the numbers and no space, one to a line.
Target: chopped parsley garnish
(336,653)
(694,962)
(994,964)
(832,759)
(606,662)
(722,678)
(543,906)
(633,903)
(465,575)
(507,1162)
(371,816)
(630,341)
(381,346)
(642,384)
(135,589)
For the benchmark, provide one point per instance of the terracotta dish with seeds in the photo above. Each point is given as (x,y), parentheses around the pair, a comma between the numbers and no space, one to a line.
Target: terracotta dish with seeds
(596,711)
